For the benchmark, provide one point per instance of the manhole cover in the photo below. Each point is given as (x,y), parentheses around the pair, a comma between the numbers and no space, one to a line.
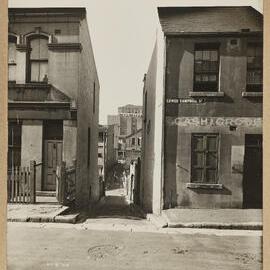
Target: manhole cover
(103,251)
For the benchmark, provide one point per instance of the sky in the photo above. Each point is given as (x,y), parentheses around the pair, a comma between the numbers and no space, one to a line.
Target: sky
(123,35)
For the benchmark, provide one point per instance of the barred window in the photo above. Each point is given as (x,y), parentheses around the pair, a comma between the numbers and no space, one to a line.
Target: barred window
(254,67)
(204,158)
(206,67)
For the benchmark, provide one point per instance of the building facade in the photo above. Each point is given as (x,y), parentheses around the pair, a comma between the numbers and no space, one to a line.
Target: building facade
(127,122)
(102,151)
(202,131)
(53,96)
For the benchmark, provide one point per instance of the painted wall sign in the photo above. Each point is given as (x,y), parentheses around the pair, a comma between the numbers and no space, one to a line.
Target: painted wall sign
(184,100)
(216,121)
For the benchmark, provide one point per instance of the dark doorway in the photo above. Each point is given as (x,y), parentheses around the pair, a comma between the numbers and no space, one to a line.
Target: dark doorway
(252,181)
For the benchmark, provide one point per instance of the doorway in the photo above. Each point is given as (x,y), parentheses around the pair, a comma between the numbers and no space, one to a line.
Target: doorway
(52,154)
(52,159)
(252,180)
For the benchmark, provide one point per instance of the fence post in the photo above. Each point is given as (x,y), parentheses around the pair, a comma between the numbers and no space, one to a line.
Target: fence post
(32,181)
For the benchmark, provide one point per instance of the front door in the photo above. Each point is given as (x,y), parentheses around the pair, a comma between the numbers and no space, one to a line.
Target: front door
(52,159)
(252,181)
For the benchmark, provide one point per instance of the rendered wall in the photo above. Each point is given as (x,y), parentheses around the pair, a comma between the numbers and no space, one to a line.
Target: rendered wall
(179,84)
(87,186)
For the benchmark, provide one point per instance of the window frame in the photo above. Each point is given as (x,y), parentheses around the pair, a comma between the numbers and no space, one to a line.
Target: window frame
(12,39)
(205,151)
(29,61)
(209,46)
(254,87)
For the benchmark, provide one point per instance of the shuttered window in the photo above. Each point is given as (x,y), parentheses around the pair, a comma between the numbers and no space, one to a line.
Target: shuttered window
(204,158)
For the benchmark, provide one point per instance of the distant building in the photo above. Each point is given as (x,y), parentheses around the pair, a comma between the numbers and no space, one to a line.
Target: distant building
(127,122)
(202,131)
(53,94)
(102,151)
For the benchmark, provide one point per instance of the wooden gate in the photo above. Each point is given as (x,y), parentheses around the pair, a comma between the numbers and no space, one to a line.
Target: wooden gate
(21,184)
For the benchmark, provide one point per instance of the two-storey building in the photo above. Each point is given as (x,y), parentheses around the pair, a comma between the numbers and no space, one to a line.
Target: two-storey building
(202,127)
(53,96)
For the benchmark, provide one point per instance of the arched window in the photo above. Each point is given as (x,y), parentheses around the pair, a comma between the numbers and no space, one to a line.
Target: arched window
(37,68)
(12,58)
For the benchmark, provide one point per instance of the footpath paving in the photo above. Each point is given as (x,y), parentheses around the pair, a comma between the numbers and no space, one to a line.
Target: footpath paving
(237,219)
(114,212)
(34,212)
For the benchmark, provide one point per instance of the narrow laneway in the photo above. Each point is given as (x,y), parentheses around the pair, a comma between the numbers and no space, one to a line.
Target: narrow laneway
(116,205)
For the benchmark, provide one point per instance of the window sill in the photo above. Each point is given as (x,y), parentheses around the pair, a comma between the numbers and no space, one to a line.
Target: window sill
(204,186)
(252,94)
(206,94)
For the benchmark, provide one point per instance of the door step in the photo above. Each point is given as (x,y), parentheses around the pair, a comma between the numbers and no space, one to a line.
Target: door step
(46,193)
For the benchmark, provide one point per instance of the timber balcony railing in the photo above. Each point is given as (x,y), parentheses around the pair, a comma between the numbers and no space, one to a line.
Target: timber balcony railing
(21,184)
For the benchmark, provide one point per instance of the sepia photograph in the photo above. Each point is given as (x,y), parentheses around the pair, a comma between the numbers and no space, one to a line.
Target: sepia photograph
(134,135)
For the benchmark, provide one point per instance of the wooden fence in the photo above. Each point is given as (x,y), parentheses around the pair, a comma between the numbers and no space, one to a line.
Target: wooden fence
(21,184)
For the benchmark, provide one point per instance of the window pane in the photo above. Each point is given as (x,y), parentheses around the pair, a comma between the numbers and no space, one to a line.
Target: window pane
(197,175)
(38,71)
(205,78)
(44,48)
(214,56)
(11,52)
(198,55)
(39,48)
(206,55)
(211,160)
(254,77)
(210,176)
(43,71)
(34,71)
(212,143)
(198,159)
(198,78)
(213,78)
(198,143)
(12,72)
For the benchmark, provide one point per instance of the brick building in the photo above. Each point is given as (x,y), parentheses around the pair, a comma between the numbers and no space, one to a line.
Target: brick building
(202,129)
(53,96)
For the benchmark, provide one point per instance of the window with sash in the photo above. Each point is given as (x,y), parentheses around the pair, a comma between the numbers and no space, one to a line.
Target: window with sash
(12,41)
(254,67)
(206,67)
(37,59)
(204,158)
(14,144)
